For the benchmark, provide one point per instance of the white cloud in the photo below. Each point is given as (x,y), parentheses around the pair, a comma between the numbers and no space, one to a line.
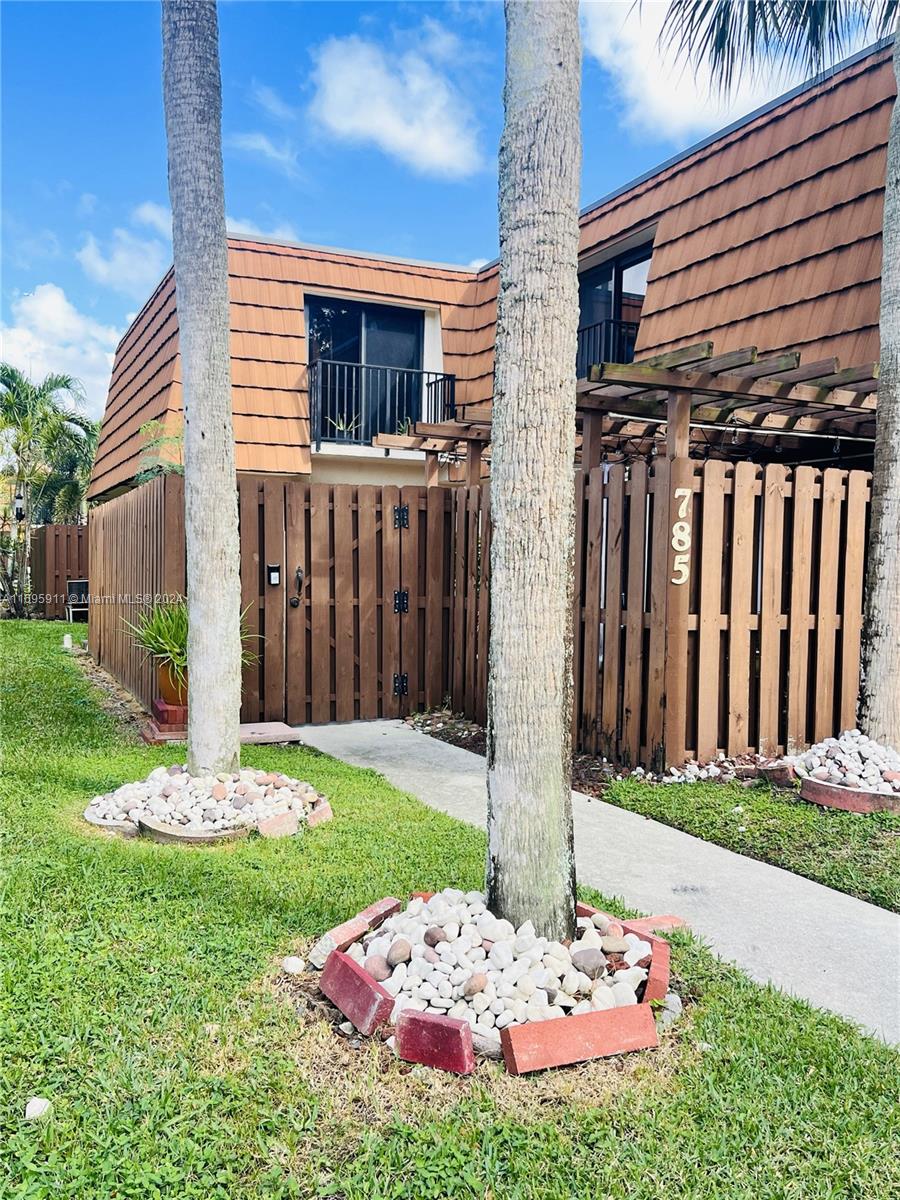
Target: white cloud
(156,216)
(48,335)
(661,96)
(400,102)
(283,156)
(87,203)
(271,103)
(131,265)
(477,263)
(284,231)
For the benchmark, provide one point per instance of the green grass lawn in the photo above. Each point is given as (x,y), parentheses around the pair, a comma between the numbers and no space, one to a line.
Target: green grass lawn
(853,853)
(140,994)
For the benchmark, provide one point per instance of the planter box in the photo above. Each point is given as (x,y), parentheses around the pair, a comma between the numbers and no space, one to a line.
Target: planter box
(857,800)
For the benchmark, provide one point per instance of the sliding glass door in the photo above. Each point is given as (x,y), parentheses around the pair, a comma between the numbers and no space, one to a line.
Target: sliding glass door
(370,359)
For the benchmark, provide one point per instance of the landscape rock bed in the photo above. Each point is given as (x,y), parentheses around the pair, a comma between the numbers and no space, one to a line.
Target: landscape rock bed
(449,959)
(174,805)
(851,762)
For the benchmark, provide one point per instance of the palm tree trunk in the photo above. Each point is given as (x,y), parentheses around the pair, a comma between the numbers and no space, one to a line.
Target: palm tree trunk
(530,864)
(193,102)
(880,676)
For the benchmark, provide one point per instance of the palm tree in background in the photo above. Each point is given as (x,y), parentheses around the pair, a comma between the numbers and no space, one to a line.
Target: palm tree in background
(740,37)
(63,497)
(40,425)
(192,92)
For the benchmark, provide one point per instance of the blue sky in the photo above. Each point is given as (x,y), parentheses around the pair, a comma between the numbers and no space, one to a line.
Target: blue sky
(366,125)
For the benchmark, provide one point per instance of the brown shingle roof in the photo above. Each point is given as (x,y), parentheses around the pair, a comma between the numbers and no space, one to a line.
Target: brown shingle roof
(767,235)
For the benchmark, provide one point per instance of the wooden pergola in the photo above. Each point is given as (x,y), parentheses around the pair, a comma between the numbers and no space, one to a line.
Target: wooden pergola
(689,400)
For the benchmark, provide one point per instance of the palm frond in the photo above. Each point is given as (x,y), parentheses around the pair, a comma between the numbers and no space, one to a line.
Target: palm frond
(735,39)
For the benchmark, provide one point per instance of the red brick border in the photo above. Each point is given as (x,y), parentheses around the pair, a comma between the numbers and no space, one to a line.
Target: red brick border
(557,1043)
(353,990)
(440,1042)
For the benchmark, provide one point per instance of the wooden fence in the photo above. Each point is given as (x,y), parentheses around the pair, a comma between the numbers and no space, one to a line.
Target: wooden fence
(358,625)
(136,557)
(718,605)
(58,553)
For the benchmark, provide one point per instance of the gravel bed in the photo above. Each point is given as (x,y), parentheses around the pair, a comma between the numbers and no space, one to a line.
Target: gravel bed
(209,803)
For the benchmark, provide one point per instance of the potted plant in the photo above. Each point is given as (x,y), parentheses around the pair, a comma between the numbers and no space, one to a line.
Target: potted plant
(161,632)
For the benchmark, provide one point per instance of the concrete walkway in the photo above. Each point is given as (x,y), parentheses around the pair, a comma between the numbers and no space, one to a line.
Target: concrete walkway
(779,927)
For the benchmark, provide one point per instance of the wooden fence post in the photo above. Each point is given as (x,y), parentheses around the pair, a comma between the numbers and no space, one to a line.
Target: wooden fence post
(678,594)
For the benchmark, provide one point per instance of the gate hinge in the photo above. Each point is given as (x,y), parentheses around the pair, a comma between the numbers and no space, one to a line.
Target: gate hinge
(401,684)
(401,601)
(401,516)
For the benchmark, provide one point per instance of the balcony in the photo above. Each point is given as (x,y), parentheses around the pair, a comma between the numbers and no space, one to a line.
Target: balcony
(351,403)
(608,341)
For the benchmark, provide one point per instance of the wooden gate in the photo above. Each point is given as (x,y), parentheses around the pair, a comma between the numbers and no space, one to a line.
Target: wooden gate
(358,624)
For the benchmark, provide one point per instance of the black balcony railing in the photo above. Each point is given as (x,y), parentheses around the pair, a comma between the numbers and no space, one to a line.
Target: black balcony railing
(353,402)
(608,341)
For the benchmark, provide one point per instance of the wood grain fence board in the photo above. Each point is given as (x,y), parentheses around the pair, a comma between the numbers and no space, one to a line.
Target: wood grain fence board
(709,624)
(369,505)
(577,614)
(681,479)
(390,582)
(826,619)
(273,534)
(344,642)
(612,608)
(322,648)
(804,490)
(296,546)
(852,604)
(248,507)
(658,562)
(435,551)
(484,608)
(409,620)
(591,708)
(458,637)
(473,504)
(739,608)
(59,553)
(630,742)
(771,583)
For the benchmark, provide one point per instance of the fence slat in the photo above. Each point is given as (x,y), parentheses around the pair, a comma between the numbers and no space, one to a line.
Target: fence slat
(273,534)
(344,650)
(390,580)
(826,621)
(657,566)
(590,735)
(612,639)
(709,622)
(633,656)
(367,502)
(771,583)
(851,608)
(248,504)
(577,615)
(296,619)
(739,607)
(484,607)
(322,650)
(801,576)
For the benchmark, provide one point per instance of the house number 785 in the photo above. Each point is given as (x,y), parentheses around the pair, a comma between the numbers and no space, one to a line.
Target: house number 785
(681,537)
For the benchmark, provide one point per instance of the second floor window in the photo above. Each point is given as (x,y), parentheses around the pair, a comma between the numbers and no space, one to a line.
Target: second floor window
(611,297)
(370,334)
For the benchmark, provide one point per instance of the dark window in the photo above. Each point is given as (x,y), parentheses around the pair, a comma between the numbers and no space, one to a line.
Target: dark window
(611,298)
(374,334)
